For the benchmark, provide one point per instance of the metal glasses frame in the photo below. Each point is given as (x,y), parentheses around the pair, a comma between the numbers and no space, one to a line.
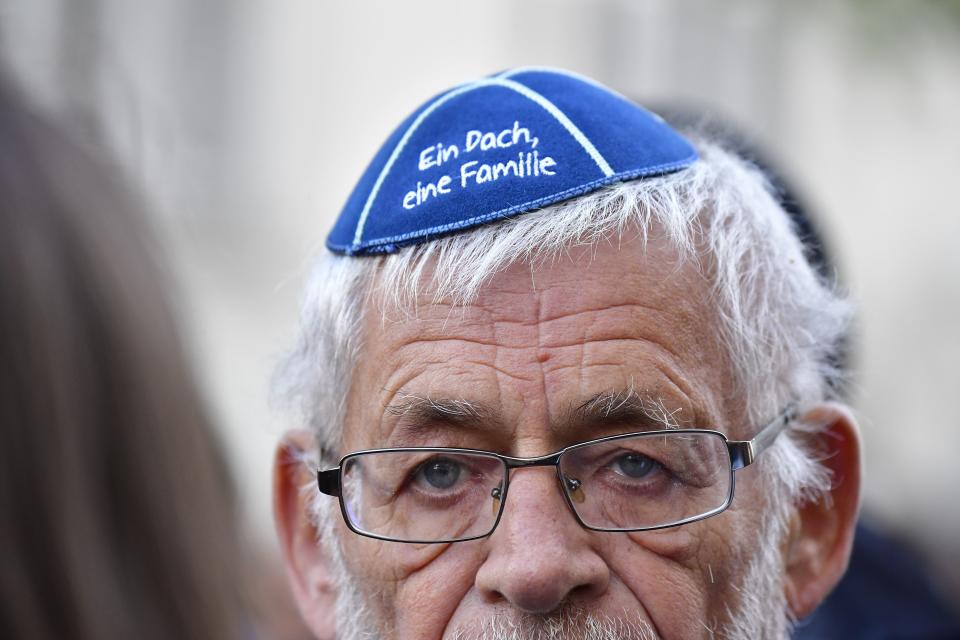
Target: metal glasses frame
(742,453)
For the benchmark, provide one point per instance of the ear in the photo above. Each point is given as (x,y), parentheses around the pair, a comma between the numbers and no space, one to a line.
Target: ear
(308,567)
(821,533)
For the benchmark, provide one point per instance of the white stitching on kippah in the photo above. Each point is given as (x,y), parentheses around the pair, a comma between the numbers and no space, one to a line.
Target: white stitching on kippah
(509,73)
(396,152)
(388,243)
(576,76)
(523,90)
(562,118)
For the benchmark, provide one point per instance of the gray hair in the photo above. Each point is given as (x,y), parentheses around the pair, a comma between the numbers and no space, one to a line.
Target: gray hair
(782,325)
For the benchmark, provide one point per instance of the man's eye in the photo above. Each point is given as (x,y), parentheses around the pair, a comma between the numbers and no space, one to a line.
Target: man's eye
(635,465)
(440,473)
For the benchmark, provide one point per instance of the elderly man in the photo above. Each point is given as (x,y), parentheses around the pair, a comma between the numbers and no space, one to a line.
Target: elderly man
(567,374)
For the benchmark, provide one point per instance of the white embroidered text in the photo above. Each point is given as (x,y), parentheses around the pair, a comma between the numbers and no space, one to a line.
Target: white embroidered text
(528,163)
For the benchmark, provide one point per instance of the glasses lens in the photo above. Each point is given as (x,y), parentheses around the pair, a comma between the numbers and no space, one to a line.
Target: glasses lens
(648,480)
(424,495)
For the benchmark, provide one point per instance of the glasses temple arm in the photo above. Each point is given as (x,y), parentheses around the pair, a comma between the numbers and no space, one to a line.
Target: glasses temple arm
(329,481)
(744,452)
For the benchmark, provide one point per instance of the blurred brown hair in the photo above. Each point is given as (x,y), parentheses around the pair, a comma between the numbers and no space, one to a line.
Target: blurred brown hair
(116,516)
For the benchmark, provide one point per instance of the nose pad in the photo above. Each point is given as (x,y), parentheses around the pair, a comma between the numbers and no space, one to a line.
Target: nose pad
(569,486)
(571,489)
(574,489)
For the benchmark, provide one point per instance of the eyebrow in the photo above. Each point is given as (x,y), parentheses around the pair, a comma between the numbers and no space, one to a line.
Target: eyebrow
(627,406)
(423,416)
(422,420)
(443,410)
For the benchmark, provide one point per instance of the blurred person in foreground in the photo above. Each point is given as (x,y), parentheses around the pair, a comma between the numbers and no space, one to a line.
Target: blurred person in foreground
(567,374)
(116,507)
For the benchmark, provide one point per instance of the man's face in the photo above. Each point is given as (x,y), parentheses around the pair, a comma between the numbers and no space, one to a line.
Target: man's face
(534,345)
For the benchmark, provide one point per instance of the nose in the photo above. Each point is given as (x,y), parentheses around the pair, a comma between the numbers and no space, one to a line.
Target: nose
(540,556)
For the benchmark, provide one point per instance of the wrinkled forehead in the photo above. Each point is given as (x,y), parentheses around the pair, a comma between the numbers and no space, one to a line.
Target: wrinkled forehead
(626,316)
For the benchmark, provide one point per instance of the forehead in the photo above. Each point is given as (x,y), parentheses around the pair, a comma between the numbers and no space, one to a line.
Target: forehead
(619,318)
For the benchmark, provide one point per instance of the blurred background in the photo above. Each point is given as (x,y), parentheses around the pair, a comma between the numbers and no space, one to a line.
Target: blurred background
(247,122)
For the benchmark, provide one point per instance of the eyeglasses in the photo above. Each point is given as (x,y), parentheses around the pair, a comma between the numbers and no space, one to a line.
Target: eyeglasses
(627,482)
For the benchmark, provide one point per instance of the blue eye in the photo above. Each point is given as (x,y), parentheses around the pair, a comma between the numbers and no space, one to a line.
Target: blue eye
(440,473)
(635,465)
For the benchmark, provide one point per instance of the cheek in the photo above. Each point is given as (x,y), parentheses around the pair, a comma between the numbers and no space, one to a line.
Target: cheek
(413,590)
(684,577)
(429,598)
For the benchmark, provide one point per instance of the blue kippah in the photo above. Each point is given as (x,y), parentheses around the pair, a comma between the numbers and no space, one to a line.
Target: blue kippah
(498,147)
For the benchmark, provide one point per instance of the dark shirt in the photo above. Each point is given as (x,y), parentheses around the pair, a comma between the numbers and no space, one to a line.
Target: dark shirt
(886,594)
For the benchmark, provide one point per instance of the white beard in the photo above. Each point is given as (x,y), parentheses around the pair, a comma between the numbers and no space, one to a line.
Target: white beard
(569,623)
(760,614)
